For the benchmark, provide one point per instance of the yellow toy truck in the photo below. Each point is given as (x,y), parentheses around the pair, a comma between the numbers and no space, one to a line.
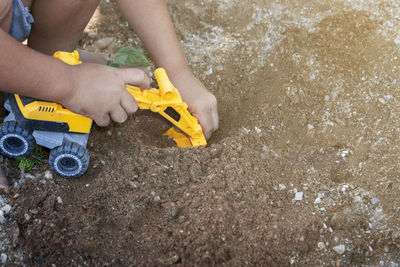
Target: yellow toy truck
(65,133)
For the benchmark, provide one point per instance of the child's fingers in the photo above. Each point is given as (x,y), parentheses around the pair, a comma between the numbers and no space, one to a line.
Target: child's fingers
(215,118)
(136,77)
(129,103)
(118,114)
(206,123)
(102,120)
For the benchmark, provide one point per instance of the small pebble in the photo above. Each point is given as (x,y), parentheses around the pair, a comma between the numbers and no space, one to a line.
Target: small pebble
(321,245)
(33,211)
(2,219)
(6,209)
(1,201)
(59,200)
(103,43)
(282,187)
(92,35)
(209,71)
(48,175)
(27,217)
(339,249)
(3,258)
(298,196)
(169,261)
(374,201)
(29,176)
(317,200)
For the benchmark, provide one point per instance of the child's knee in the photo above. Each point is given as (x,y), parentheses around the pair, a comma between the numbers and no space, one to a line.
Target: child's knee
(5,14)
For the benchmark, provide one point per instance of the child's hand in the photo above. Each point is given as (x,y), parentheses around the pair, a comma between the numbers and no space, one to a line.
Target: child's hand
(99,92)
(201,103)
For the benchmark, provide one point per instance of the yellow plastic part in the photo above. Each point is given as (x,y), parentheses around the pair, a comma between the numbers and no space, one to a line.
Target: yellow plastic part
(48,111)
(180,138)
(168,103)
(69,58)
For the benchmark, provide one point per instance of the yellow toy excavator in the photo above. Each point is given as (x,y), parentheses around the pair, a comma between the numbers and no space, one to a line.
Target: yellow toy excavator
(66,133)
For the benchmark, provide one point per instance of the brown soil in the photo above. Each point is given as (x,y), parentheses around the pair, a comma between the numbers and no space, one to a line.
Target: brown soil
(308,102)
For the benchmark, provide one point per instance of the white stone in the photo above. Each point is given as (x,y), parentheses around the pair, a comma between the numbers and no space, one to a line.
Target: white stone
(317,200)
(48,175)
(340,249)
(282,187)
(321,245)
(209,71)
(298,196)
(6,209)
(3,258)
(374,201)
(2,219)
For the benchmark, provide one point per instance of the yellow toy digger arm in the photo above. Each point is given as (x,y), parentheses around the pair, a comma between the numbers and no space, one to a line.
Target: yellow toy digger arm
(167,101)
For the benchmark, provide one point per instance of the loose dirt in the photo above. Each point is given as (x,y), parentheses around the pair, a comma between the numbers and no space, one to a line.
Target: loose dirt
(309,104)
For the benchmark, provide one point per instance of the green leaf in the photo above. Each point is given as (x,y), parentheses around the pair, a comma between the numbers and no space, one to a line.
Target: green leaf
(131,56)
(26,163)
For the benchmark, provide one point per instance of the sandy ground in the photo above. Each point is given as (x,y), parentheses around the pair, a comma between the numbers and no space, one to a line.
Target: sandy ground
(304,169)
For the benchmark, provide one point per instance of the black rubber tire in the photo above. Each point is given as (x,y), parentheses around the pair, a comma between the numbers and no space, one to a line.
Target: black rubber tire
(69,160)
(15,141)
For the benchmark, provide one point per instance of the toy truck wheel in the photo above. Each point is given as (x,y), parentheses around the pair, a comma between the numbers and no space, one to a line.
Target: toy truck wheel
(69,160)
(15,141)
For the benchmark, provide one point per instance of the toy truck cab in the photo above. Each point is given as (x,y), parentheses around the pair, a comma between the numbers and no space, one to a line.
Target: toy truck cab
(31,122)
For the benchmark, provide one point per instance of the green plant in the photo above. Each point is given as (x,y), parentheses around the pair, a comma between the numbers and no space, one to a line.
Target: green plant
(128,56)
(35,160)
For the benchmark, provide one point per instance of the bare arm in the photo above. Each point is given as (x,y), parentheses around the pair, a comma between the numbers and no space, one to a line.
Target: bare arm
(151,21)
(94,90)
(24,71)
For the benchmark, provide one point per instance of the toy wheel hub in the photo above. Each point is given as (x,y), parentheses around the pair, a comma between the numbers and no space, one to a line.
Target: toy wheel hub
(14,144)
(68,165)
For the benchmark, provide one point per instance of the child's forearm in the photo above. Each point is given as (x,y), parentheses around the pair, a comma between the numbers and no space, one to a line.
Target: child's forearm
(151,21)
(30,73)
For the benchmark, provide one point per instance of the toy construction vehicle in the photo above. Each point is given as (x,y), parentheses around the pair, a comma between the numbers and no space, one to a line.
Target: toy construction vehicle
(31,121)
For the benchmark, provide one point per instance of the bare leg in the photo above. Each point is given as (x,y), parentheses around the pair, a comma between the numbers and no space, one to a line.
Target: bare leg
(59,24)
